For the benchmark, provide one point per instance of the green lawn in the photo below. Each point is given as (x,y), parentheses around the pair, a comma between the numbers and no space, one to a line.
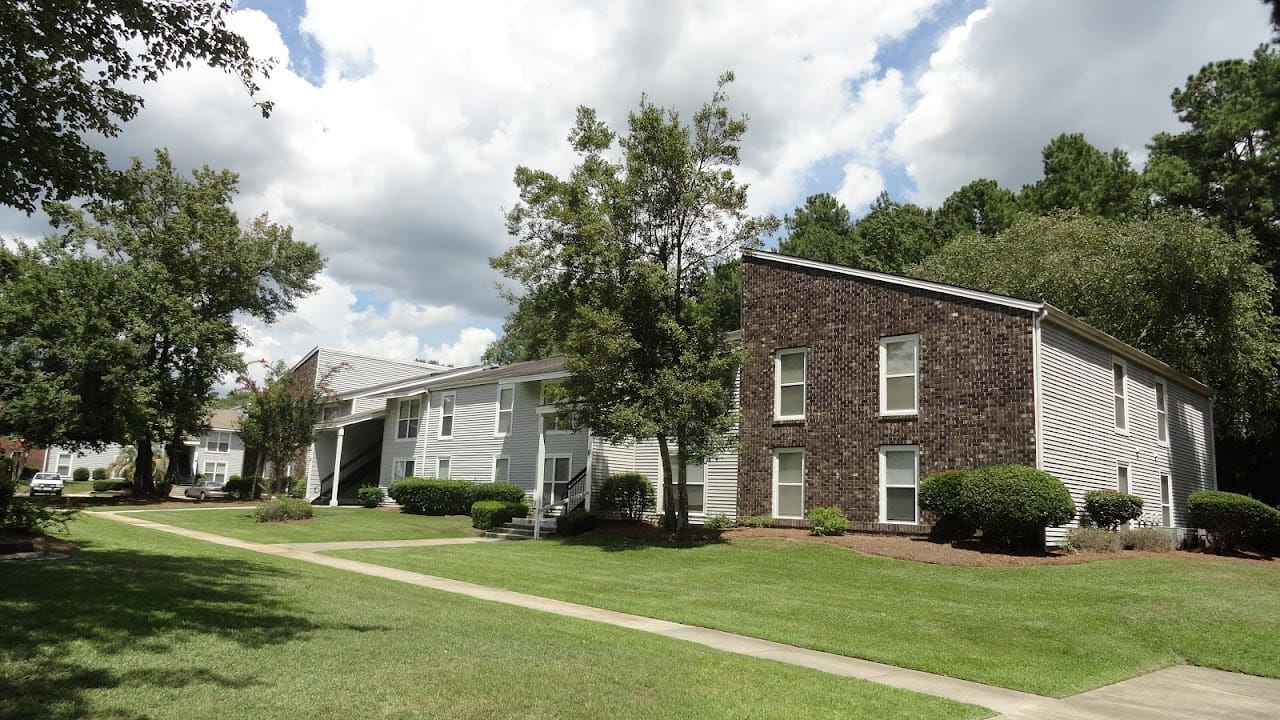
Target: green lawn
(141,624)
(329,525)
(1047,630)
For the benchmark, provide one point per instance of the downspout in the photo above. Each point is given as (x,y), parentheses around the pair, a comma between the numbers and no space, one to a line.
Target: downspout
(420,448)
(1037,392)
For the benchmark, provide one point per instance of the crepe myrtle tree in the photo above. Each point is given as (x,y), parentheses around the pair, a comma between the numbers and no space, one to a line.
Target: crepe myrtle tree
(618,253)
(281,412)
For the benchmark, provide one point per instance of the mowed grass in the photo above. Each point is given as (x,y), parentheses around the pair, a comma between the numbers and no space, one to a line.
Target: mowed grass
(142,624)
(1048,630)
(329,525)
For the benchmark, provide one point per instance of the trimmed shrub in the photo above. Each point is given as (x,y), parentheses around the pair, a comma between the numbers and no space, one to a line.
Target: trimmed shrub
(1110,508)
(283,510)
(502,491)
(1148,539)
(111,485)
(487,514)
(297,487)
(432,496)
(1092,539)
(718,522)
(370,496)
(631,495)
(575,522)
(1234,522)
(756,521)
(829,520)
(80,474)
(1010,504)
(241,488)
(941,494)
(99,473)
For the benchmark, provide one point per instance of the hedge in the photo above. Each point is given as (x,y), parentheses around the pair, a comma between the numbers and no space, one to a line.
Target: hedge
(940,493)
(284,509)
(100,474)
(487,514)
(1010,504)
(1235,522)
(1110,508)
(81,474)
(370,496)
(110,484)
(435,496)
(631,495)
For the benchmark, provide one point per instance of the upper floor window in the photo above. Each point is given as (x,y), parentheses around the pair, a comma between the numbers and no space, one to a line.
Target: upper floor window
(1162,412)
(446,414)
(217,441)
(789,383)
(1120,389)
(335,411)
(899,375)
(407,422)
(554,393)
(506,402)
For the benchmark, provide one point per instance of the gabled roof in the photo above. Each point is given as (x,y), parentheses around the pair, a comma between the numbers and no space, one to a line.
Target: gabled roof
(426,367)
(225,419)
(1043,309)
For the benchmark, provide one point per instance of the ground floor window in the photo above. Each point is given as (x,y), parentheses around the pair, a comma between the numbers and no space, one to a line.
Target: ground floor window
(555,478)
(695,482)
(64,465)
(501,469)
(215,473)
(1166,500)
(442,468)
(788,483)
(899,480)
(401,468)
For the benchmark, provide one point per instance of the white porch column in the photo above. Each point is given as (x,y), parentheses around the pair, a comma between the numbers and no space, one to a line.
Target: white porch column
(537,485)
(195,455)
(587,479)
(337,468)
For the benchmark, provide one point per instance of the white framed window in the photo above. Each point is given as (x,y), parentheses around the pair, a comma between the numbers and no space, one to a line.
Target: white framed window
(899,481)
(447,402)
(555,477)
(64,464)
(1120,390)
(442,467)
(215,473)
(789,373)
(1166,500)
(217,441)
(402,468)
(336,410)
(788,483)
(1122,478)
(407,419)
(695,478)
(899,375)
(1162,412)
(506,406)
(501,469)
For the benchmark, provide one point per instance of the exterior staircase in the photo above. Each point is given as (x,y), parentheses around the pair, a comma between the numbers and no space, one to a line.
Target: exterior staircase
(521,529)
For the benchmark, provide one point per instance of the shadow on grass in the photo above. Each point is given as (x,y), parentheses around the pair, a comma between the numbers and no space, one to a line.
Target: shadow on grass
(614,543)
(60,618)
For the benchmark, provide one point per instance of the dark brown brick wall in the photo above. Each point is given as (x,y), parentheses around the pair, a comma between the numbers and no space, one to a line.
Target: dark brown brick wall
(976,383)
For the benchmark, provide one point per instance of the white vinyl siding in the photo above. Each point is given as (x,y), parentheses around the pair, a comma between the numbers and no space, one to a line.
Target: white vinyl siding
(789,383)
(900,375)
(788,483)
(1081,447)
(720,474)
(408,416)
(506,404)
(899,481)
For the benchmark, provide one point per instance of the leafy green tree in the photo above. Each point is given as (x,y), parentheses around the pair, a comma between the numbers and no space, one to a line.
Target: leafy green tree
(1079,176)
(1226,164)
(822,230)
(121,324)
(532,330)
(279,418)
(895,236)
(980,206)
(1175,286)
(625,243)
(68,71)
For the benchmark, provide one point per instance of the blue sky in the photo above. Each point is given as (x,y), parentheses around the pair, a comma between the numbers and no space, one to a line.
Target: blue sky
(398,123)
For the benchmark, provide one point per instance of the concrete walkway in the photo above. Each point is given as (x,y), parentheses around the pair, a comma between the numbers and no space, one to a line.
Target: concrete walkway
(1176,693)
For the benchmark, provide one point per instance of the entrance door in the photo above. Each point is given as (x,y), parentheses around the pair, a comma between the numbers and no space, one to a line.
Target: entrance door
(555,478)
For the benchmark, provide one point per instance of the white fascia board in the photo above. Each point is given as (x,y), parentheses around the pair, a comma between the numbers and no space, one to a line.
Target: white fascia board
(534,378)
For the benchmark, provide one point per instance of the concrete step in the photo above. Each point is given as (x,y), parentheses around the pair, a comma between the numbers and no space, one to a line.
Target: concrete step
(520,529)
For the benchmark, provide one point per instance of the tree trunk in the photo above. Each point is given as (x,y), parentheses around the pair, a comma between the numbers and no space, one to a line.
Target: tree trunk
(144,481)
(668,508)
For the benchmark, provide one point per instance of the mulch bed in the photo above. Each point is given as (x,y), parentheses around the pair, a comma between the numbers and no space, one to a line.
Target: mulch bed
(918,549)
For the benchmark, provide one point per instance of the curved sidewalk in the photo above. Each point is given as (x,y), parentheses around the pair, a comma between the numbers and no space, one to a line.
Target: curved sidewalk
(1177,693)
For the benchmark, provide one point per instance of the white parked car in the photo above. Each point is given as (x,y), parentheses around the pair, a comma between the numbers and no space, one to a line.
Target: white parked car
(46,483)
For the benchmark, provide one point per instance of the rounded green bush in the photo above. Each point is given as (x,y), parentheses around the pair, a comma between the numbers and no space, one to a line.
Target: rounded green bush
(1110,508)
(487,514)
(370,496)
(941,494)
(1235,522)
(99,473)
(80,474)
(631,495)
(828,520)
(1013,504)
(718,522)
(283,510)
